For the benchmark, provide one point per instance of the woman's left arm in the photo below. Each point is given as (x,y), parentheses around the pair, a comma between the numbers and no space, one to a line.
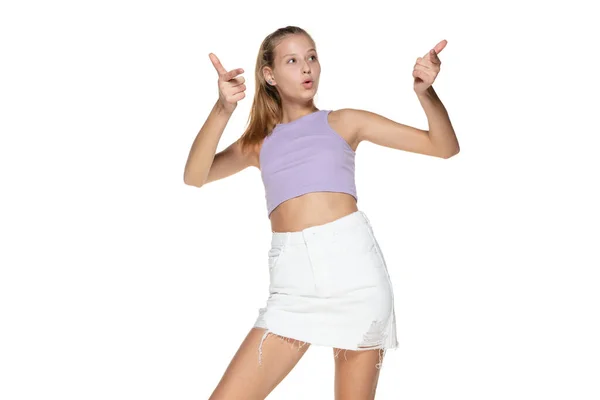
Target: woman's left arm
(439,141)
(441,133)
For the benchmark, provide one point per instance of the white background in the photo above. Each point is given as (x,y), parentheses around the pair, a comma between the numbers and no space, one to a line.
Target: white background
(118,281)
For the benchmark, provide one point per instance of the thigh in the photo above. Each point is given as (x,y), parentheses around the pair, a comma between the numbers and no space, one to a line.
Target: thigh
(357,373)
(244,378)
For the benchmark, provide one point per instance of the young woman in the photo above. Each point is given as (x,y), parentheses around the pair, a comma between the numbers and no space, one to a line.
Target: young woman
(329,283)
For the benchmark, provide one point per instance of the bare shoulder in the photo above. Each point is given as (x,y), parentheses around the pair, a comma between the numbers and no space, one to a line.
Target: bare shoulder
(343,121)
(352,120)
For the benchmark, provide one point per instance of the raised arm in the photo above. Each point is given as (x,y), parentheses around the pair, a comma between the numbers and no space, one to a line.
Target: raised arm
(203,165)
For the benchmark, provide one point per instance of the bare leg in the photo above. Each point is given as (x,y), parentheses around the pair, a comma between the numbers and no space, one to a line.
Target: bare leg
(245,379)
(357,373)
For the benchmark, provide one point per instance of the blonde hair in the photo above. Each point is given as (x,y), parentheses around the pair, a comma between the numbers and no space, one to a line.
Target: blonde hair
(266,110)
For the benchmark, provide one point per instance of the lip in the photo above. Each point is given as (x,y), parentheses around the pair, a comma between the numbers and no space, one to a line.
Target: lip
(308,85)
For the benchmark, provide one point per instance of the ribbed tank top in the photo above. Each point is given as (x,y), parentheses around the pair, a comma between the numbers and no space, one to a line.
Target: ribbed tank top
(305,155)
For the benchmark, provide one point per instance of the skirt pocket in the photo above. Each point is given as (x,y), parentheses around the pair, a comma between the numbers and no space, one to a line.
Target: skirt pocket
(275,253)
(377,250)
(354,261)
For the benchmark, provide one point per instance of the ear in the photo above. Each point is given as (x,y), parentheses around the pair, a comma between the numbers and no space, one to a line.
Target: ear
(268,74)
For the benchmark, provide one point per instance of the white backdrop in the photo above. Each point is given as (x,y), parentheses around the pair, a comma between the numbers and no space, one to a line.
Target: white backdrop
(118,281)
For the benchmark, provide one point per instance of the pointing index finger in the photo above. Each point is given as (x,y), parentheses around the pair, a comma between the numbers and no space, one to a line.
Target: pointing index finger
(432,54)
(217,64)
(440,46)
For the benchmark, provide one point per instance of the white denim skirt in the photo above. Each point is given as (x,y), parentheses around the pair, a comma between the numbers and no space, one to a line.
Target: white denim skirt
(330,286)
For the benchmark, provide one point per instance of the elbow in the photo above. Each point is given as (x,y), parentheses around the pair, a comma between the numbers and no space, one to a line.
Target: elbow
(451,153)
(191,182)
(195,184)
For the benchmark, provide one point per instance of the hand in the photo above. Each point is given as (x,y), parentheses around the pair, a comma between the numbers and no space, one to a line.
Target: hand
(427,68)
(231,89)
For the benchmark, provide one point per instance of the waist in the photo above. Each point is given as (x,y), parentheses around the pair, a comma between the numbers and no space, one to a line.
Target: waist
(311,209)
(322,231)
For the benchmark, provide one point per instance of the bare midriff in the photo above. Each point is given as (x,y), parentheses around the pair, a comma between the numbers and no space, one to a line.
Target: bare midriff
(316,208)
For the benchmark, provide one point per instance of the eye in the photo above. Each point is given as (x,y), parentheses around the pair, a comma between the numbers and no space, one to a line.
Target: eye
(294,59)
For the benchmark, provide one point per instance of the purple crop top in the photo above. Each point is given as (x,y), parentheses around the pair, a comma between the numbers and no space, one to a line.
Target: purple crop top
(305,155)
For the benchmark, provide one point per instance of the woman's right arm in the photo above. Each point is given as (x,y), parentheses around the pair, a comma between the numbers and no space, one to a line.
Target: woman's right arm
(203,165)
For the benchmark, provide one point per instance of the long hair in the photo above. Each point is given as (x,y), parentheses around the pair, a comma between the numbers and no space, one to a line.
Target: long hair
(266,111)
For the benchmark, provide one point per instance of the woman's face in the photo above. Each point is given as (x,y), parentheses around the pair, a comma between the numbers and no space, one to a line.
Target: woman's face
(295,61)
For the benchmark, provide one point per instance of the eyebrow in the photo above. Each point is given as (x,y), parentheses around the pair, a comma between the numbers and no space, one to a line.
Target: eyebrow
(293,54)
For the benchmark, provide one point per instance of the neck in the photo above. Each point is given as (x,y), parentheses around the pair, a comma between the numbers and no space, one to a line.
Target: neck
(292,114)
